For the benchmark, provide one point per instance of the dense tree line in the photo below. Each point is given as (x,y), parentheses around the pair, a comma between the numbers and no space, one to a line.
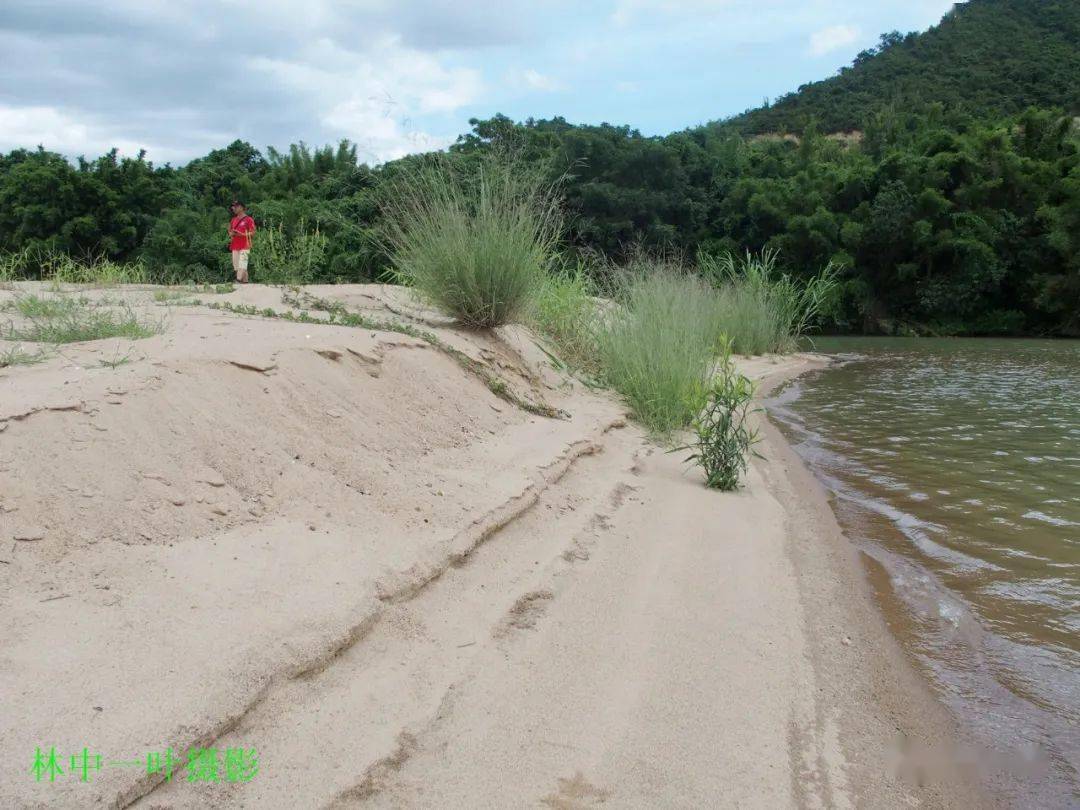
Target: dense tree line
(942,222)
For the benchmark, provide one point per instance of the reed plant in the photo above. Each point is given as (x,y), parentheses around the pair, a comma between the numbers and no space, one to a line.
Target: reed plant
(763,310)
(14,265)
(474,238)
(280,256)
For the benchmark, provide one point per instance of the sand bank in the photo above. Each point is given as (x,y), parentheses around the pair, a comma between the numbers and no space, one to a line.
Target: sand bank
(349,550)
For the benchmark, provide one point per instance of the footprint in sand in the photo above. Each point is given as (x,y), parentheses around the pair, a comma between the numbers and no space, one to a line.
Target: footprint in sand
(575,793)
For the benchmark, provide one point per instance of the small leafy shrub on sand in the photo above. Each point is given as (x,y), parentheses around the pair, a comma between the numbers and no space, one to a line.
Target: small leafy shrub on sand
(175,298)
(762,310)
(657,343)
(723,442)
(73,320)
(182,294)
(474,238)
(35,306)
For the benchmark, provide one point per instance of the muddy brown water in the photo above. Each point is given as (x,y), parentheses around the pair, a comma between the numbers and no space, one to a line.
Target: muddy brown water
(955,465)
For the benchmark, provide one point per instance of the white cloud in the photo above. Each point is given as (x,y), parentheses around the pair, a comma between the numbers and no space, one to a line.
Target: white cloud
(530,81)
(61,131)
(834,38)
(372,97)
(538,81)
(390,76)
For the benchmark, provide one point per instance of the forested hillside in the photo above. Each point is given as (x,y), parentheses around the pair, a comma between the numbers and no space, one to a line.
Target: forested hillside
(946,217)
(987,57)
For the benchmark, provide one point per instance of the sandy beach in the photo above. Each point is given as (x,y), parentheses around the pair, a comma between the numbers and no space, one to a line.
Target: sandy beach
(354,552)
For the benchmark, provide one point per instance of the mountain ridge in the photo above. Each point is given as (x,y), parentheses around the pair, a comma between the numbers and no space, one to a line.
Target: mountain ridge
(985,56)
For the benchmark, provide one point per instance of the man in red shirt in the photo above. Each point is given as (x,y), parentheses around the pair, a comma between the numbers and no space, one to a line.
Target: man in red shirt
(241,227)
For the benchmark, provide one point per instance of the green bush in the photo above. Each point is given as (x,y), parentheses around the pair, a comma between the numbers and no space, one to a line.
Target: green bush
(474,238)
(723,441)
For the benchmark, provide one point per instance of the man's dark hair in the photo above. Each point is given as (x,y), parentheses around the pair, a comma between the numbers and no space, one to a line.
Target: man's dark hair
(235,203)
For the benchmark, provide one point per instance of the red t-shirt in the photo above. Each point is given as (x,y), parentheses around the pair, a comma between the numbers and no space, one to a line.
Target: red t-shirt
(246,226)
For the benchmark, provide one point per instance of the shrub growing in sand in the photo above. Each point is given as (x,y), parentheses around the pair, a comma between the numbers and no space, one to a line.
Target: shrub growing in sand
(762,310)
(657,344)
(723,442)
(474,238)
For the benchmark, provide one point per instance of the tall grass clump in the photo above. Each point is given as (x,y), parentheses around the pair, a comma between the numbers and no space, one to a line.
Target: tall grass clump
(564,310)
(13,266)
(657,343)
(282,257)
(60,268)
(762,310)
(473,238)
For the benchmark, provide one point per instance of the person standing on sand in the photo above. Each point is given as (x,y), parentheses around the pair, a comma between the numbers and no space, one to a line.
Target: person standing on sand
(241,227)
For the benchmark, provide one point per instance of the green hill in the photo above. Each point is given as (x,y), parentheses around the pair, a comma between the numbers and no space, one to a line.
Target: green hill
(985,57)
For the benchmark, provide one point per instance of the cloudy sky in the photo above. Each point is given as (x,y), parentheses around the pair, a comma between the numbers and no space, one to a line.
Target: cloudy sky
(180,77)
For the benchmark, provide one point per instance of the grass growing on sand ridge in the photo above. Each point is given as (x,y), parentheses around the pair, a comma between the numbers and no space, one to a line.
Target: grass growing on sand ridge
(73,320)
(476,240)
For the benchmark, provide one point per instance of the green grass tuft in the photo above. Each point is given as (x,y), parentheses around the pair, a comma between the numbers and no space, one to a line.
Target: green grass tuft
(474,239)
(74,320)
(564,311)
(17,356)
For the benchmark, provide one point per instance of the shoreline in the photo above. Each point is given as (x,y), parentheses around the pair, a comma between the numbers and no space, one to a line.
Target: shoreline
(471,605)
(880,695)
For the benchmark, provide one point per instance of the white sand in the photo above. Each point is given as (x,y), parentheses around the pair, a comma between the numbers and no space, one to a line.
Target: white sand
(338,547)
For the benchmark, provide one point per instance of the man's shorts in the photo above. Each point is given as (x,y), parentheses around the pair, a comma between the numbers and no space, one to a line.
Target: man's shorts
(240,260)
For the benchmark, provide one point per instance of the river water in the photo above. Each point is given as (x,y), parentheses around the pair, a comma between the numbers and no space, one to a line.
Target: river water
(955,465)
